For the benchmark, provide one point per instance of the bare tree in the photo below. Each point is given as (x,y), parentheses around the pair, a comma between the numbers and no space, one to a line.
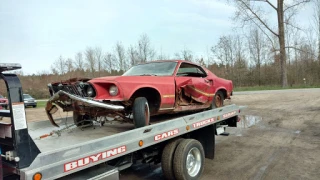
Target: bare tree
(59,66)
(133,55)
(54,69)
(99,59)
(90,60)
(120,56)
(78,60)
(223,50)
(69,65)
(239,58)
(316,19)
(201,62)
(256,44)
(187,54)
(229,51)
(249,11)
(145,51)
(108,60)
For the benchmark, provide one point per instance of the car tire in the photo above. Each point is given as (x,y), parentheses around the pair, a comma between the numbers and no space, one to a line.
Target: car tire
(141,112)
(189,153)
(80,120)
(167,158)
(218,100)
(34,106)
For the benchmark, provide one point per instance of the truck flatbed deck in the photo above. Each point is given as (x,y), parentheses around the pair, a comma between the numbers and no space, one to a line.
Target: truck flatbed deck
(79,135)
(115,140)
(72,134)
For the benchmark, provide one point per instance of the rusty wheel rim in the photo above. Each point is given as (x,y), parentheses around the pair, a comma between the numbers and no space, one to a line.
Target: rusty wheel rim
(218,101)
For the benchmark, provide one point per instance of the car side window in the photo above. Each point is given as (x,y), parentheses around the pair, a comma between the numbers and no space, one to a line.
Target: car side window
(190,70)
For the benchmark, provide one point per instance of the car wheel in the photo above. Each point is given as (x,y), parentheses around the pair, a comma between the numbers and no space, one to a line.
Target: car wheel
(80,120)
(188,160)
(218,100)
(34,106)
(167,158)
(141,112)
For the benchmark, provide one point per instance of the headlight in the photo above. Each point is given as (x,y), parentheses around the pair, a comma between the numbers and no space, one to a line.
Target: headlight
(113,90)
(90,91)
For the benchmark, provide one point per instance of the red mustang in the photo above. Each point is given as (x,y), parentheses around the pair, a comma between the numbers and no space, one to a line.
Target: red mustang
(148,89)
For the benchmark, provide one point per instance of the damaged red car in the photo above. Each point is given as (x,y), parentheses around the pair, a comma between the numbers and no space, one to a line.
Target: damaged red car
(145,90)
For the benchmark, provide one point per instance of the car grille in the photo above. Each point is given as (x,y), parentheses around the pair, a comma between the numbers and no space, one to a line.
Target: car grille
(75,89)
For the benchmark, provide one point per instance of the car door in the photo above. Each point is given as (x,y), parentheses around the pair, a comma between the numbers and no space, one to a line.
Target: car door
(191,81)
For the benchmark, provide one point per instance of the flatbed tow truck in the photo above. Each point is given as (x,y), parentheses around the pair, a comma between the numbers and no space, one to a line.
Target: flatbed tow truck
(38,151)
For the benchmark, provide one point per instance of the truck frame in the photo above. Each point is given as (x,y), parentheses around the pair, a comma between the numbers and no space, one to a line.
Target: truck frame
(39,151)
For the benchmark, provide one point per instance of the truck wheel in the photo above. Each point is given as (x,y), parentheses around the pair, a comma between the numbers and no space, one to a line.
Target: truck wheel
(167,158)
(80,120)
(188,160)
(141,112)
(217,100)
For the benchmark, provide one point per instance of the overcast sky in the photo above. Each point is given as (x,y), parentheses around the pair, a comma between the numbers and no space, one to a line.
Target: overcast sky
(36,33)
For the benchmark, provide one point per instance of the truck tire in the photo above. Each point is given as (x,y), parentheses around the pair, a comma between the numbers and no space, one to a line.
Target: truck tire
(167,158)
(218,100)
(188,160)
(141,112)
(80,120)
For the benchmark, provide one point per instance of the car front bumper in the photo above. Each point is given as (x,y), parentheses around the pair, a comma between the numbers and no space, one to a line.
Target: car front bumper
(30,103)
(51,109)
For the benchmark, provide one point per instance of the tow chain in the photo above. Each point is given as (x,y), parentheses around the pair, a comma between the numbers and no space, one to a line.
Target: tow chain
(66,128)
(57,132)
(70,127)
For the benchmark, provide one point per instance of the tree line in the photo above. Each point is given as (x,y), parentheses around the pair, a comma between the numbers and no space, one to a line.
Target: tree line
(252,55)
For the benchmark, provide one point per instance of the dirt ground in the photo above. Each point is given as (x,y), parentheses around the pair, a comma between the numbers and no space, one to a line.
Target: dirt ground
(278,138)
(284,144)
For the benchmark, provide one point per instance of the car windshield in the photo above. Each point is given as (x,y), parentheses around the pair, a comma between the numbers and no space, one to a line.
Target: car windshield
(1,96)
(26,96)
(152,69)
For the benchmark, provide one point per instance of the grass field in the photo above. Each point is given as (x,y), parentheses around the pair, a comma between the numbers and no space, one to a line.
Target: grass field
(41,104)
